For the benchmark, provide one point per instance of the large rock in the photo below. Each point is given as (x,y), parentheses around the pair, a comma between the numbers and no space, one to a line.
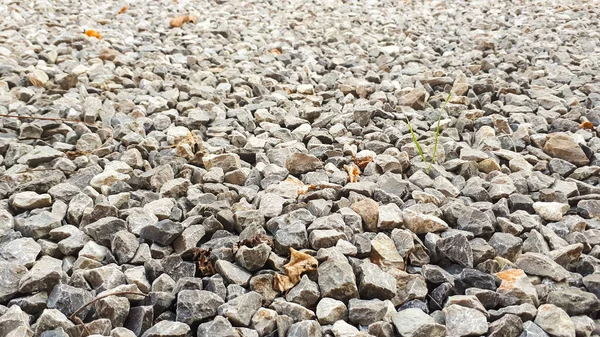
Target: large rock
(337,280)
(299,163)
(561,145)
(239,310)
(413,322)
(194,306)
(462,321)
(554,321)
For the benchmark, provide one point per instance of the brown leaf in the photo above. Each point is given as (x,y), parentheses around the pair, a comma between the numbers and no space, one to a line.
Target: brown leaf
(282,283)
(122,10)
(586,125)
(93,33)
(205,265)
(353,172)
(180,20)
(299,263)
(362,161)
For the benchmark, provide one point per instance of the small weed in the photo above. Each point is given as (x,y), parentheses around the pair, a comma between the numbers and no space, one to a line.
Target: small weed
(437,133)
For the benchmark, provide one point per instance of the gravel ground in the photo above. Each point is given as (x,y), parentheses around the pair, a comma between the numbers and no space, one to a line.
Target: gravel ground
(251,172)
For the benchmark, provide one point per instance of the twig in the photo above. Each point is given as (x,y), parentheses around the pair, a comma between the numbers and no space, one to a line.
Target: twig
(52,119)
(118,293)
(85,328)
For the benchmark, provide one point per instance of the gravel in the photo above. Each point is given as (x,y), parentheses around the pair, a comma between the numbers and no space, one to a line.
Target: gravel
(168,172)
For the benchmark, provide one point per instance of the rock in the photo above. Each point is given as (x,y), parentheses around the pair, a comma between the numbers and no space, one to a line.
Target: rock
(39,225)
(12,274)
(68,299)
(554,321)
(365,312)
(194,306)
(419,223)
(461,321)
(114,308)
(507,326)
(336,280)
(305,329)
(23,251)
(168,329)
(506,245)
(330,311)
(163,232)
(140,319)
(239,311)
(574,301)
(457,249)
(368,210)
(541,265)
(305,293)
(227,162)
(264,321)
(233,273)
(384,253)
(561,145)
(124,245)
(44,275)
(51,319)
(516,285)
(31,200)
(375,283)
(254,258)
(219,326)
(299,163)
(414,322)
(531,329)
(550,211)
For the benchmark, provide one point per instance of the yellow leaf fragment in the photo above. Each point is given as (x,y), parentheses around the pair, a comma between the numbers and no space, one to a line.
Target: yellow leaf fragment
(180,20)
(353,172)
(93,33)
(299,263)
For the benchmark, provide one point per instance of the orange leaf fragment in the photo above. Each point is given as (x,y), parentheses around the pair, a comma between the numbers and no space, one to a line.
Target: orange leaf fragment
(353,172)
(180,20)
(93,33)
(122,10)
(586,125)
(276,51)
(362,161)
(299,263)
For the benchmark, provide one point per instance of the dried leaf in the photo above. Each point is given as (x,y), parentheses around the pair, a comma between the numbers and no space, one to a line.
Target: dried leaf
(77,153)
(282,283)
(362,161)
(180,20)
(353,172)
(205,265)
(275,51)
(299,263)
(122,10)
(586,125)
(93,33)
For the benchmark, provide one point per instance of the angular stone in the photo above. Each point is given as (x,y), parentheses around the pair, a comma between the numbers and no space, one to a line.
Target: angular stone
(561,145)
(368,209)
(68,299)
(554,321)
(516,285)
(233,273)
(305,329)
(330,310)
(365,312)
(239,310)
(414,322)
(194,306)
(168,329)
(420,223)
(44,275)
(550,211)
(384,253)
(103,230)
(299,163)
(163,232)
(541,265)
(124,246)
(12,274)
(461,321)
(305,293)
(375,283)
(217,327)
(264,321)
(507,326)
(457,249)
(31,200)
(574,301)
(114,308)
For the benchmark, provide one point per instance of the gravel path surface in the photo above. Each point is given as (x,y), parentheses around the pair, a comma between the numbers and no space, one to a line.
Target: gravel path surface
(250,172)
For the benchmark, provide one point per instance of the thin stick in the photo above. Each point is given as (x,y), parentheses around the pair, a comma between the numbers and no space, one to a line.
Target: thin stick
(85,328)
(118,293)
(51,119)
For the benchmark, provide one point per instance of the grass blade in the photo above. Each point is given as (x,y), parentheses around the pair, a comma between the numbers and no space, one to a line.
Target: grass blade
(414,138)
(437,133)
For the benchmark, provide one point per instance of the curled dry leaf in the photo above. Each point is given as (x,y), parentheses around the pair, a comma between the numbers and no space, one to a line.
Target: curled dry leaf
(353,172)
(180,20)
(93,33)
(362,161)
(122,10)
(205,265)
(299,263)
(586,125)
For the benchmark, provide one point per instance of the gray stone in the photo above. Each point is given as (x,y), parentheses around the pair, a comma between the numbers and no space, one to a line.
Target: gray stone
(218,327)
(365,312)
(114,308)
(68,299)
(574,301)
(461,321)
(194,306)
(375,283)
(299,163)
(330,310)
(44,275)
(239,311)
(305,329)
(457,249)
(124,246)
(163,232)
(31,200)
(336,280)
(103,230)
(531,329)
(254,258)
(541,265)
(168,329)
(414,322)
(233,273)
(554,321)
(264,321)
(305,293)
